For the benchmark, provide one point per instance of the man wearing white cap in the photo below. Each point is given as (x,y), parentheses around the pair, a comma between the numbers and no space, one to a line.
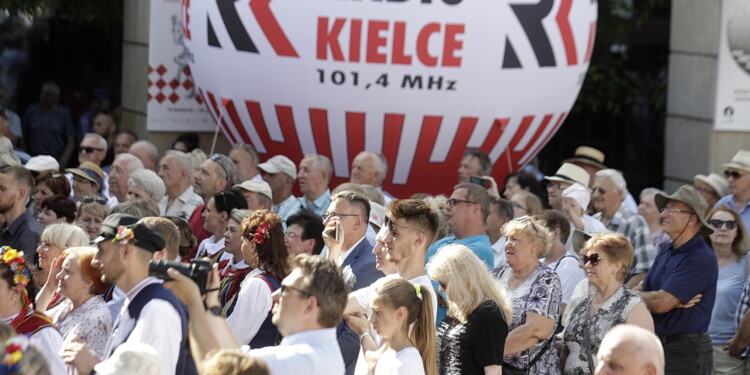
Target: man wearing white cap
(280,173)
(738,174)
(257,193)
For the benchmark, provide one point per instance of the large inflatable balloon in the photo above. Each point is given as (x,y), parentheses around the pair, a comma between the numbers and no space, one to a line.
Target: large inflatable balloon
(419,81)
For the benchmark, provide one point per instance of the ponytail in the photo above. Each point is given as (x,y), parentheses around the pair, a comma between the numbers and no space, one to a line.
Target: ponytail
(423,332)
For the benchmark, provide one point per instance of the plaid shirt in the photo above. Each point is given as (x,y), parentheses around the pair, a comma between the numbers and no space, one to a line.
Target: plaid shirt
(742,308)
(635,229)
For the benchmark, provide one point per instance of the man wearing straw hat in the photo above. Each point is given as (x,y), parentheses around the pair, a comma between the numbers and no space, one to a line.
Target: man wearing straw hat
(712,187)
(738,174)
(685,269)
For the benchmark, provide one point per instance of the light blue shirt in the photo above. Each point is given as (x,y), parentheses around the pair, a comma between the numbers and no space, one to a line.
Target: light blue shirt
(731,203)
(480,245)
(287,208)
(728,292)
(319,205)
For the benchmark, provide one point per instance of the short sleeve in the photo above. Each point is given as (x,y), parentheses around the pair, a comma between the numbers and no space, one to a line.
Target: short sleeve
(491,331)
(690,278)
(545,296)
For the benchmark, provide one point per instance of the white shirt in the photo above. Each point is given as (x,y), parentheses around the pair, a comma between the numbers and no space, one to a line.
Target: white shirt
(49,341)
(311,352)
(570,274)
(183,206)
(364,298)
(210,246)
(498,248)
(159,325)
(253,304)
(406,361)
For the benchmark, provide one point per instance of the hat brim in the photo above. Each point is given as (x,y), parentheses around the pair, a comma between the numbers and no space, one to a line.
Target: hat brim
(704,179)
(82,174)
(736,166)
(584,161)
(661,201)
(559,179)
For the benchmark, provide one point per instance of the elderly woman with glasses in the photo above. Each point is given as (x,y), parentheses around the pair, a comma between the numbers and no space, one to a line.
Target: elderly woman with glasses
(263,249)
(56,238)
(535,294)
(608,258)
(729,242)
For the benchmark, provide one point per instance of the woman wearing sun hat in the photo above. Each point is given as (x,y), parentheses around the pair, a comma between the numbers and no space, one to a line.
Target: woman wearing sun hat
(88,180)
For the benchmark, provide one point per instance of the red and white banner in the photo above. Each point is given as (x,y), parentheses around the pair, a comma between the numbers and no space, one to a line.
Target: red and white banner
(419,81)
(173,102)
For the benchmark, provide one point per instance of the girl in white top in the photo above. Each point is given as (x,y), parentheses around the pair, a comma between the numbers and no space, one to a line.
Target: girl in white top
(397,306)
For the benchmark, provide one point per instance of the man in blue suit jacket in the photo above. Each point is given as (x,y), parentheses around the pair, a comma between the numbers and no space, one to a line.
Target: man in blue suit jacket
(353,253)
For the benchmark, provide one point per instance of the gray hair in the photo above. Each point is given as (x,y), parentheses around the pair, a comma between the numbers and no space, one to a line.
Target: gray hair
(149,181)
(382,163)
(132,162)
(102,142)
(226,169)
(650,191)
(9,158)
(151,148)
(250,151)
(322,162)
(182,159)
(617,179)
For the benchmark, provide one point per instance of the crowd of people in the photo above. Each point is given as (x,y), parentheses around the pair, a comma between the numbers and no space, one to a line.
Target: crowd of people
(179,262)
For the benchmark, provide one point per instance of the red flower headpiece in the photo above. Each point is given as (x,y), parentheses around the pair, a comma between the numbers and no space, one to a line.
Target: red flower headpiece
(262,234)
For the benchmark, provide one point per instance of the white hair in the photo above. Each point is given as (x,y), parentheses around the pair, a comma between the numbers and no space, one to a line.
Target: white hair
(6,145)
(149,181)
(132,162)
(98,138)
(182,159)
(617,179)
(323,163)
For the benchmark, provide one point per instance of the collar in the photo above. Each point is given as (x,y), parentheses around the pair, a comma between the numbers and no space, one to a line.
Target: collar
(310,336)
(289,199)
(138,287)
(320,201)
(13,228)
(346,254)
(691,244)
(186,195)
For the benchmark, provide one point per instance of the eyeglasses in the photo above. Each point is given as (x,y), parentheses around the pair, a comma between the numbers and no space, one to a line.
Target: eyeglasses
(671,211)
(44,246)
(89,150)
(525,219)
(291,236)
(223,198)
(89,199)
(332,214)
(734,174)
(593,259)
(729,224)
(453,202)
(285,288)
(705,190)
(217,159)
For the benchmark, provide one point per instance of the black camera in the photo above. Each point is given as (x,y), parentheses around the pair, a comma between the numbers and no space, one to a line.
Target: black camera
(197,270)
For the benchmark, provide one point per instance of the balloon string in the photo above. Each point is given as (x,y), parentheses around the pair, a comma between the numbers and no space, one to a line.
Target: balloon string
(216,132)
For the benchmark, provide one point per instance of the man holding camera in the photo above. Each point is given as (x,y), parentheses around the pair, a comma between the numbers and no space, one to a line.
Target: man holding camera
(151,314)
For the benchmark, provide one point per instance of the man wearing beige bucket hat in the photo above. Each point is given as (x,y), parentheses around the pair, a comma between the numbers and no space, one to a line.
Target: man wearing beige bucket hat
(738,174)
(712,187)
(684,269)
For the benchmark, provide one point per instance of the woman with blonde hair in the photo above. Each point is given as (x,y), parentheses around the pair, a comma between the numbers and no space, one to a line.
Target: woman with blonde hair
(535,294)
(471,338)
(91,214)
(56,238)
(525,204)
(396,306)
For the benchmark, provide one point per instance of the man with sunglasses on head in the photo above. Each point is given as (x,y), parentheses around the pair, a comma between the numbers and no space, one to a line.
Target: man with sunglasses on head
(610,192)
(215,174)
(738,199)
(680,288)
(466,212)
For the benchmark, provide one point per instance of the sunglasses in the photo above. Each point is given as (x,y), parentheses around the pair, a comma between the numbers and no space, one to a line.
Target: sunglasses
(217,159)
(593,259)
(89,150)
(729,224)
(525,219)
(733,174)
(90,199)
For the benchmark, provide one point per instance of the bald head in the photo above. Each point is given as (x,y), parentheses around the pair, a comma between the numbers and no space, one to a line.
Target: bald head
(629,349)
(147,152)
